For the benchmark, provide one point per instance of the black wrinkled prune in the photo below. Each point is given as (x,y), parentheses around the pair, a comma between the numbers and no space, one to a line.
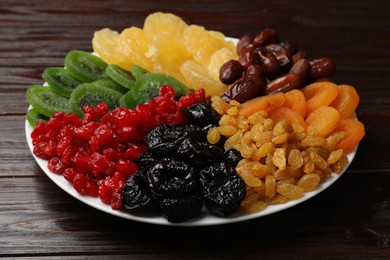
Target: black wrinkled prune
(182,208)
(195,132)
(197,153)
(232,157)
(223,189)
(169,177)
(162,139)
(136,193)
(146,160)
(202,114)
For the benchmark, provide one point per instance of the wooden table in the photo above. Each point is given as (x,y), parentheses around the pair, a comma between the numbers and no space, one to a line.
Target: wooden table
(351,219)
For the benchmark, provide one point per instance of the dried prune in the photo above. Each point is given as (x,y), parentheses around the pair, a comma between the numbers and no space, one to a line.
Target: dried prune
(146,160)
(223,189)
(195,132)
(163,138)
(232,157)
(199,154)
(183,208)
(202,114)
(136,193)
(169,177)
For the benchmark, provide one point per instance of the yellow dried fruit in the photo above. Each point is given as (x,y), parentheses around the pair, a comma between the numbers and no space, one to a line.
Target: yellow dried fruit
(134,45)
(158,22)
(335,156)
(227,130)
(196,76)
(279,158)
(309,182)
(105,44)
(290,191)
(295,158)
(217,59)
(213,135)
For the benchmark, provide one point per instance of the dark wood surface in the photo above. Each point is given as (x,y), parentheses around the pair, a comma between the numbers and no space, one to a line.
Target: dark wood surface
(351,219)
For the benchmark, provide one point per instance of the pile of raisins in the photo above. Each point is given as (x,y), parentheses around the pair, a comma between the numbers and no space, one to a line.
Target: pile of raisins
(268,65)
(181,171)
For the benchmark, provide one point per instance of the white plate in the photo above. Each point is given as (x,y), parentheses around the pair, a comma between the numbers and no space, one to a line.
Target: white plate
(205,218)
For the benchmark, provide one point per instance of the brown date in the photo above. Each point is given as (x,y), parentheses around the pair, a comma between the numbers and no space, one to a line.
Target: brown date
(281,54)
(265,37)
(301,67)
(268,62)
(230,71)
(291,47)
(299,55)
(321,68)
(244,41)
(284,83)
(246,88)
(254,70)
(246,56)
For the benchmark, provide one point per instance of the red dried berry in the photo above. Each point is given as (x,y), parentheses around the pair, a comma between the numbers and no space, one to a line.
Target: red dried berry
(55,165)
(167,91)
(69,174)
(97,163)
(186,101)
(78,182)
(116,200)
(63,144)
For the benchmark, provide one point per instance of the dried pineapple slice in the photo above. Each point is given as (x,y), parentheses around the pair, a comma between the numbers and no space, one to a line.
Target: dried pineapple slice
(105,44)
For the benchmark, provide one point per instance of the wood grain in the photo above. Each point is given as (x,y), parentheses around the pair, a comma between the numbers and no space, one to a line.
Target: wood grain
(348,220)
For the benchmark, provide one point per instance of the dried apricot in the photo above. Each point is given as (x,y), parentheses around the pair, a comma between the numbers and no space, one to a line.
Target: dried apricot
(296,101)
(319,94)
(266,103)
(279,113)
(322,121)
(354,132)
(346,101)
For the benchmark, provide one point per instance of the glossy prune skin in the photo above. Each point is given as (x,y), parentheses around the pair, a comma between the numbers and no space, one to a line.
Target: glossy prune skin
(182,208)
(163,139)
(137,195)
(198,154)
(195,132)
(202,114)
(169,177)
(146,160)
(223,189)
(232,157)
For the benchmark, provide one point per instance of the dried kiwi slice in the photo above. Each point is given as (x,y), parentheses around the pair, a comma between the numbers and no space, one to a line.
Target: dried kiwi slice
(120,76)
(45,101)
(148,85)
(92,94)
(33,117)
(60,80)
(85,66)
(137,71)
(109,83)
(127,100)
